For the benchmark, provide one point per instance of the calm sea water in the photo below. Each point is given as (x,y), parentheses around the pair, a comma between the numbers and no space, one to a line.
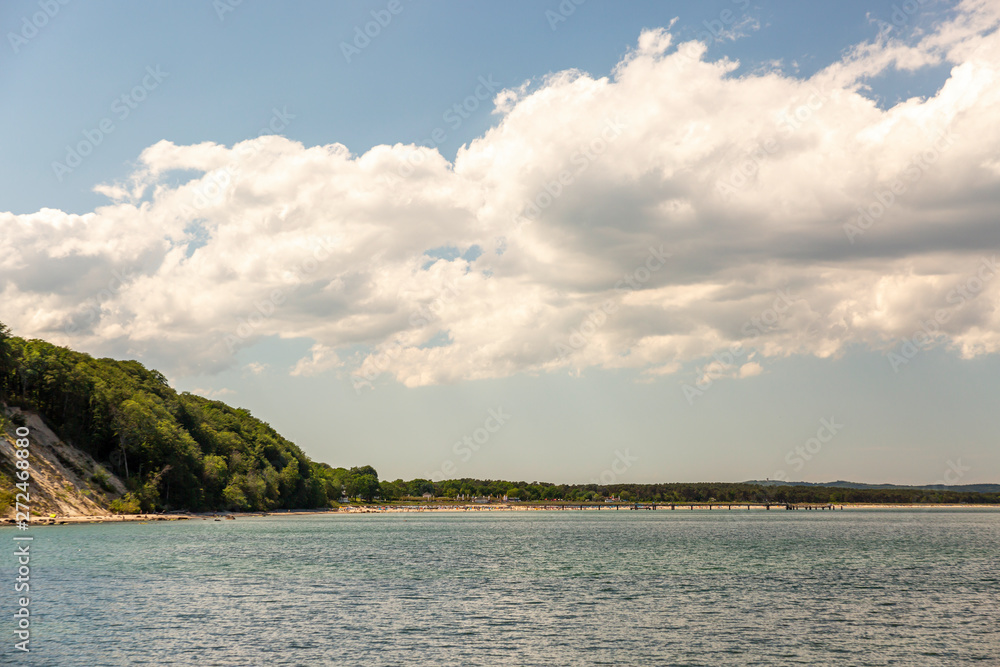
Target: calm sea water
(880,587)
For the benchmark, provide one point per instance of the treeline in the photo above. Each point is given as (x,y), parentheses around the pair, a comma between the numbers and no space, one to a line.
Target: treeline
(174,451)
(181,451)
(701,492)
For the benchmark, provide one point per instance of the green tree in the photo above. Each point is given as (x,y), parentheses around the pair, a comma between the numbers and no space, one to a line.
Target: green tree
(389,491)
(233,495)
(5,358)
(367,487)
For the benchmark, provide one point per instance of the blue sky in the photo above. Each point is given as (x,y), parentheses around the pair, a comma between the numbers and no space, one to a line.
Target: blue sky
(433,305)
(226,75)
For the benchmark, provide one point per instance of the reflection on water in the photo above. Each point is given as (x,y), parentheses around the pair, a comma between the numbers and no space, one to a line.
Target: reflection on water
(876,587)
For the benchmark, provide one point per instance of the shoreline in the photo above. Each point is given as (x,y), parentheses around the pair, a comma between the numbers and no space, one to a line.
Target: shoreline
(6,522)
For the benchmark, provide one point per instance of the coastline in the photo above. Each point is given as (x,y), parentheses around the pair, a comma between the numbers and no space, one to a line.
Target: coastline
(407,509)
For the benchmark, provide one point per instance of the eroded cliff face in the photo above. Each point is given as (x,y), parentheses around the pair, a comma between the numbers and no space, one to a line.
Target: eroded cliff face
(64,480)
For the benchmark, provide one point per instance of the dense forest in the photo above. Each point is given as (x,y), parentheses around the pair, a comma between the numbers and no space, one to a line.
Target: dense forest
(181,451)
(679,492)
(173,450)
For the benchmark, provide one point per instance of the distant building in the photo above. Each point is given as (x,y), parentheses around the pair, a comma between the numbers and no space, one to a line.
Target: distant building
(428,496)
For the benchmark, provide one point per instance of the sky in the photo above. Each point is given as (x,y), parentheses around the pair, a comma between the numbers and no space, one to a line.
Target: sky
(565,241)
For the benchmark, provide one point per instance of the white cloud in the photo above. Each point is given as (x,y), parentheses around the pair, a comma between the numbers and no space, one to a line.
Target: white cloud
(213,393)
(256,368)
(321,359)
(746,180)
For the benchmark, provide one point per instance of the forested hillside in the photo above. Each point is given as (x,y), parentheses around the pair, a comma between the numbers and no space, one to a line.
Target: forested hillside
(173,450)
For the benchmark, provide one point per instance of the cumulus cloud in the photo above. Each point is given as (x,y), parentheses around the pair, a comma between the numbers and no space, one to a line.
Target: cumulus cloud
(213,393)
(321,359)
(647,219)
(255,368)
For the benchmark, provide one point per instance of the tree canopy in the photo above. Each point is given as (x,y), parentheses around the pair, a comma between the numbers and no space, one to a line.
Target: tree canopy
(175,450)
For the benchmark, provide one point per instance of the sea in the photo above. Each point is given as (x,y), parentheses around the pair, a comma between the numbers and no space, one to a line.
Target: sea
(702,587)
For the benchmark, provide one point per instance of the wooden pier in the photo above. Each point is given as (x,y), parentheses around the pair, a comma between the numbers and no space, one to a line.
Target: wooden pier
(729,506)
(811,506)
